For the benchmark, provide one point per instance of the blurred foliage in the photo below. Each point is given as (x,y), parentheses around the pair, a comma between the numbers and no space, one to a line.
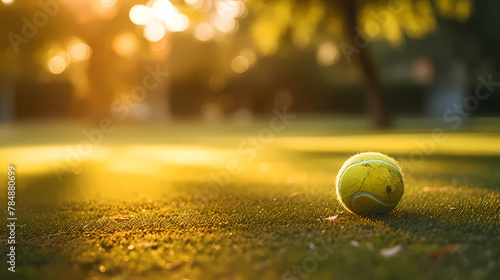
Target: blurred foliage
(203,42)
(304,19)
(267,23)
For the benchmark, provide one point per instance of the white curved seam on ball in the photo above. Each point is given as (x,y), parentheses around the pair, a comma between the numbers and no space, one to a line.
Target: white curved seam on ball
(368,160)
(372,196)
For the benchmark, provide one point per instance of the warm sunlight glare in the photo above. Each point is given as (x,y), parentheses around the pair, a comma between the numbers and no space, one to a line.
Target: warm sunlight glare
(177,23)
(164,10)
(230,9)
(224,25)
(200,5)
(79,50)
(141,15)
(179,155)
(154,31)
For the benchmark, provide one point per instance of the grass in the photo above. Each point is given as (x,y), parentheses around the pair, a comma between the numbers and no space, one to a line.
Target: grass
(147,207)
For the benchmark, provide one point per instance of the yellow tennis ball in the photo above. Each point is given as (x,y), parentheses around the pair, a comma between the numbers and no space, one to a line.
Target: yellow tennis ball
(370,183)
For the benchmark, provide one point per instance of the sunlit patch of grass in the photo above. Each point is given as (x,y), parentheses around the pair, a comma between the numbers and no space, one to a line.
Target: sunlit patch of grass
(462,144)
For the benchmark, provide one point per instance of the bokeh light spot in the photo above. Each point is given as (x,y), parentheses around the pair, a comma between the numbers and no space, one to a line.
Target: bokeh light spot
(200,5)
(141,15)
(224,25)
(240,64)
(125,44)
(66,56)
(154,31)
(177,23)
(422,69)
(79,50)
(327,54)
(204,32)
(250,55)
(164,10)
(230,9)
(56,64)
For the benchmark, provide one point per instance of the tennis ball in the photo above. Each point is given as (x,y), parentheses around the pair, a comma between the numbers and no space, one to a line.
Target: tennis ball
(370,183)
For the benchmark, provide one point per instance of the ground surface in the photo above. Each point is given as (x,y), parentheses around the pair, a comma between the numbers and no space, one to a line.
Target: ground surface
(158,201)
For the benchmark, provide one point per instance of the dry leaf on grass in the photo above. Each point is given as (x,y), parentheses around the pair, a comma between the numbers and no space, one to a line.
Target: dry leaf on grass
(441,251)
(294,194)
(389,252)
(354,243)
(332,218)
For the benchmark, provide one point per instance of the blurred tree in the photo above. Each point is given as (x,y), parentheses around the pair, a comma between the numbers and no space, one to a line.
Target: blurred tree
(353,25)
(39,48)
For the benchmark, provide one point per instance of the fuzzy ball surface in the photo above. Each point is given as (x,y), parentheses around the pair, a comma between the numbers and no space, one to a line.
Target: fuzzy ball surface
(370,183)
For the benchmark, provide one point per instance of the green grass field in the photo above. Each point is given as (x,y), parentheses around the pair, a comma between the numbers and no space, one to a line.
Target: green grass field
(159,202)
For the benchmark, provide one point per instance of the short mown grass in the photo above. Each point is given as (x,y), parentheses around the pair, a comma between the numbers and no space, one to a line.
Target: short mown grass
(269,222)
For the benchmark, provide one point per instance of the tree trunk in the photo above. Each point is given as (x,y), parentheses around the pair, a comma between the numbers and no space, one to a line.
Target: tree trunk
(7,99)
(101,75)
(375,102)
